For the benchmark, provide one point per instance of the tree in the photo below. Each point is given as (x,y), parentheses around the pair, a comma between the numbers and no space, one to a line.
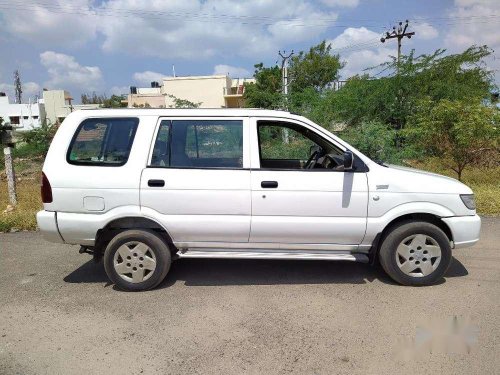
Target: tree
(374,139)
(115,101)
(311,70)
(266,92)
(18,88)
(316,68)
(392,99)
(460,132)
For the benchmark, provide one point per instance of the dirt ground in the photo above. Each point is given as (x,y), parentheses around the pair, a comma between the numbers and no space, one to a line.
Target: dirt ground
(59,315)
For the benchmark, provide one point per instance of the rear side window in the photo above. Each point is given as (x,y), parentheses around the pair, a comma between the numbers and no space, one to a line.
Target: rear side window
(199,144)
(103,142)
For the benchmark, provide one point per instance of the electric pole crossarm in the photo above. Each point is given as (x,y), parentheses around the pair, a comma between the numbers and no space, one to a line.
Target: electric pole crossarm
(399,33)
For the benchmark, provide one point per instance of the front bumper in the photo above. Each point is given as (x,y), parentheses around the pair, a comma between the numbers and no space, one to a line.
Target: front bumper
(47,223)
(464,229)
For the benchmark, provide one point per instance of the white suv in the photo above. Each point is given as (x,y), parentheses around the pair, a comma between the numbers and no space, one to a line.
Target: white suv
(145,186)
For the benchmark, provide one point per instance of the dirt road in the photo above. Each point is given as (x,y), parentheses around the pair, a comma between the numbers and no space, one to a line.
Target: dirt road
(59,315)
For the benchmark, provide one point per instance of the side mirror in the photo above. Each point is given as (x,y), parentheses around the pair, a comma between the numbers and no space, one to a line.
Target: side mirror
(348,160)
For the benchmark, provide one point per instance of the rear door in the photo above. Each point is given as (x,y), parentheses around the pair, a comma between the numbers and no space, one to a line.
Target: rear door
(292,204)
(197,183)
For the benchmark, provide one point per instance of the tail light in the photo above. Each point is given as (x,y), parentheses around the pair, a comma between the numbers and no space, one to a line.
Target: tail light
(46,189)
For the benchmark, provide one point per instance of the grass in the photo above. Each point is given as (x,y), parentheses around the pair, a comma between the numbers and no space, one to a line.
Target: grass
(485,182)
(29,202)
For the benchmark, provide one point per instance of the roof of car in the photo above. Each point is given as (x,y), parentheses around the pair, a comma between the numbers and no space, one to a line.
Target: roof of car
(237,112)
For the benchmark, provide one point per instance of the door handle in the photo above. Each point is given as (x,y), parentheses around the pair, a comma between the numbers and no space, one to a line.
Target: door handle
(156,183)
(269,184)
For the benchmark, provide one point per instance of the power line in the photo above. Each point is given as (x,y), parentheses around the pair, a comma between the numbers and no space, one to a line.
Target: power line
(205,17)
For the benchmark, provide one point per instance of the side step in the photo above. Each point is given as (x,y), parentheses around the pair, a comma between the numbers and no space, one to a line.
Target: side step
(272,254)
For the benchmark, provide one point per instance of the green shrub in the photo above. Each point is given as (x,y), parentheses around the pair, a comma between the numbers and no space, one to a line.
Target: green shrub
(374,139)
(35,142)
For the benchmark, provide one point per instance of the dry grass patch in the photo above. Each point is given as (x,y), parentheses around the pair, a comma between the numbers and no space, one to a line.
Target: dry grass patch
(485,182)
(29,202)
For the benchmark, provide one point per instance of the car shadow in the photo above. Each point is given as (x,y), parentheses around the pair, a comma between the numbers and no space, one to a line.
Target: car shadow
(221,272)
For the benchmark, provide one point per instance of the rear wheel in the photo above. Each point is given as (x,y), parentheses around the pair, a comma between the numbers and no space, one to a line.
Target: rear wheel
(415,253)
(137,260)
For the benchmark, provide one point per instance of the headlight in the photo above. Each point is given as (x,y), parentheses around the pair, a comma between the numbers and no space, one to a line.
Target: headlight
(469,201)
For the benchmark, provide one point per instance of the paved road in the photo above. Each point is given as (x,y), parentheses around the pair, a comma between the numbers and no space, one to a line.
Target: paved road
(59,315)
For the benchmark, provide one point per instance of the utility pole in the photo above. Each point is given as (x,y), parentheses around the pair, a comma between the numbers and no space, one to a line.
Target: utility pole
(284,73)
(399,33)
(284,76)
(7,141)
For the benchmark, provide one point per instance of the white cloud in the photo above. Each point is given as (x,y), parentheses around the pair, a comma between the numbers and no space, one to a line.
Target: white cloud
(196,30)
(173,29)
(360,48)
(66,73)
(146,77)
(30,90)
(119,90)
(8,89)
(425,31)
(473,24)
(354,36)
(358,61)
(51,23)
(341,3)
(232,71)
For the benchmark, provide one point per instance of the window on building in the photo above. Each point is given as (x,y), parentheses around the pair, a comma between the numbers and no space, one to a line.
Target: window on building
(103,142)
(35,117)
(26,117)
(15,120)
(199,144)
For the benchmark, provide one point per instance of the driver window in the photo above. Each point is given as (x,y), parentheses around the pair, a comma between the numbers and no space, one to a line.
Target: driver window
(286,145)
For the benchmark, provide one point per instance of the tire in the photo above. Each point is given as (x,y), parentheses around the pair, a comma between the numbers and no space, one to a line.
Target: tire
(143,253)
(408,253)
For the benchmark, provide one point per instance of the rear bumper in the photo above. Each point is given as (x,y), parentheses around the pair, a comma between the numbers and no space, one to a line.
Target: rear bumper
(47,223)
(464,229)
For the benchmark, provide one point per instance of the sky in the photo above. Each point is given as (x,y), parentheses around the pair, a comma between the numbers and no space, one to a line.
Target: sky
(107,46)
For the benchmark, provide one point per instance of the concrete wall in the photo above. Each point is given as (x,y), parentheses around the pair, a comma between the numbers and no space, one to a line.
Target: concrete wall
(57,104)
(207,90)
(140,100)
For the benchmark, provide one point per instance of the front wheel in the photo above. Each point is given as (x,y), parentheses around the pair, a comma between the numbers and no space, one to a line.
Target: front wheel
(137,260)
(415,253)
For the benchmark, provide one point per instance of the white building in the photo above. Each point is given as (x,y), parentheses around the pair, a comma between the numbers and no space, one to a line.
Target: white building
(21,116)
(53,108)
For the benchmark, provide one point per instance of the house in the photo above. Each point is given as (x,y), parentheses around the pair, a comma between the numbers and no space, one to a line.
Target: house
(22,116)
(58,105)
(216,91)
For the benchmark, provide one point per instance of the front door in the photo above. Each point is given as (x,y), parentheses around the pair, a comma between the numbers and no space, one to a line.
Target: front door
(197,183)
(300,191)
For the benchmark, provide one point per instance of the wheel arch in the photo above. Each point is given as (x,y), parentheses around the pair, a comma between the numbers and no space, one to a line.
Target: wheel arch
(417,216)
(105,234)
